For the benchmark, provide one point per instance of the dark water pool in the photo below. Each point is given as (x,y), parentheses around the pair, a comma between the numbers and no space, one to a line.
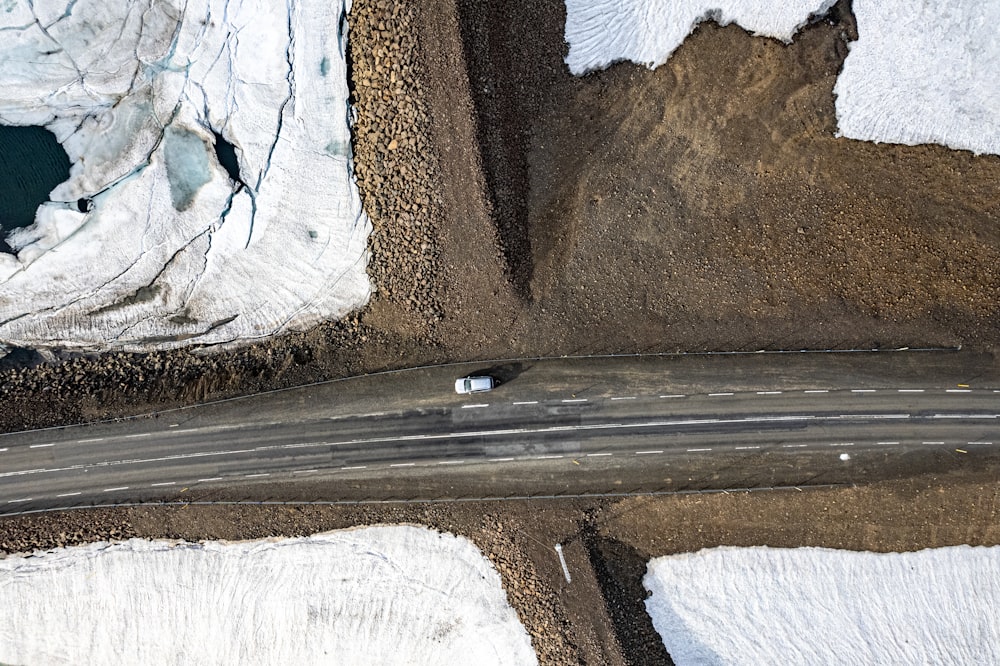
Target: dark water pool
(32,163)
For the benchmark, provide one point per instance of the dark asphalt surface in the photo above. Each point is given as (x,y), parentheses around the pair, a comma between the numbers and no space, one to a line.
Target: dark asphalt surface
(560,426)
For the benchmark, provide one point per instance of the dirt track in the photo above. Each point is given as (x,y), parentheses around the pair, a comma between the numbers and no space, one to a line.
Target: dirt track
(706,205)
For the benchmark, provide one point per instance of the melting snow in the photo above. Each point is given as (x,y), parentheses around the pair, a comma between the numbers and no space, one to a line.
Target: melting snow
(175,251)
(822,606)
(375,595)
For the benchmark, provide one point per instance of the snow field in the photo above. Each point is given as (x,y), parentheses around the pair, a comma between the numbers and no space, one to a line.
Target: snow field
(822,606)
(373,595)
(918,73)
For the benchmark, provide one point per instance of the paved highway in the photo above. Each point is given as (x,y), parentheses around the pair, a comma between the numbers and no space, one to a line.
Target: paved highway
(553,426)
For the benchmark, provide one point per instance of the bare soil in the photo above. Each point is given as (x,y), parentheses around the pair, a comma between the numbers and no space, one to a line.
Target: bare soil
(520,211)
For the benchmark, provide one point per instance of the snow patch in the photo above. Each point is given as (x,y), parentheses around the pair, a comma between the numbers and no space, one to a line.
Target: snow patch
(923,73)
(646,32)
(374,595)
(823,606)
(174,251)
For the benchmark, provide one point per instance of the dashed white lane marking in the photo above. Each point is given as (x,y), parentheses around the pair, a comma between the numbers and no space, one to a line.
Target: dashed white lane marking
(574,400)
(597,455)
(87,441)
(3,449)
(741,448)
(304,471)
(958,390)
(255,476)
(173,425)
(816,391)
(964,416)
(356,467)
(111,490)
(980,443)
(479,406)
(21,499)
(873,417)
(768,392)
(794,446)
(692,450)
(68,495)
(842,444)
(526,402)
(862,390)
(933,443)
(910,390)
(163,483)
(138,434)
(451,462)
(674,395)
(186,430)
(500,459)
(41,446)
(646,453)
(214,478)
(628,397)
(403,465)
(547,457)
(719,395)
(887,443)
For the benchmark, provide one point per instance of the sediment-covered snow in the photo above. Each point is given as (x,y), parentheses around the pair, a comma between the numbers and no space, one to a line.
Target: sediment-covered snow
(923,73)
(375,595)
(174,251)
(646,32)
(822,606)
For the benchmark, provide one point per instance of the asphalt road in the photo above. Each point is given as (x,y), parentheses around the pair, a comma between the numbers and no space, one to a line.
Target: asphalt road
(562,426)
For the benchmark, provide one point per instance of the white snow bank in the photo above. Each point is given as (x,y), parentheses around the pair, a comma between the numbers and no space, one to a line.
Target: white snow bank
(376,595)
(174,251)
(923,73)
(821,606)
(646,32)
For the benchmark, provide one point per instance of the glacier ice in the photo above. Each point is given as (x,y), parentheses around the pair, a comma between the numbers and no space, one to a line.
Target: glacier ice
(173,250)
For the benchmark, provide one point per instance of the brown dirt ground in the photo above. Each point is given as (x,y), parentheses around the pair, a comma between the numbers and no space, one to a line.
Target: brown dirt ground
(706,205)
